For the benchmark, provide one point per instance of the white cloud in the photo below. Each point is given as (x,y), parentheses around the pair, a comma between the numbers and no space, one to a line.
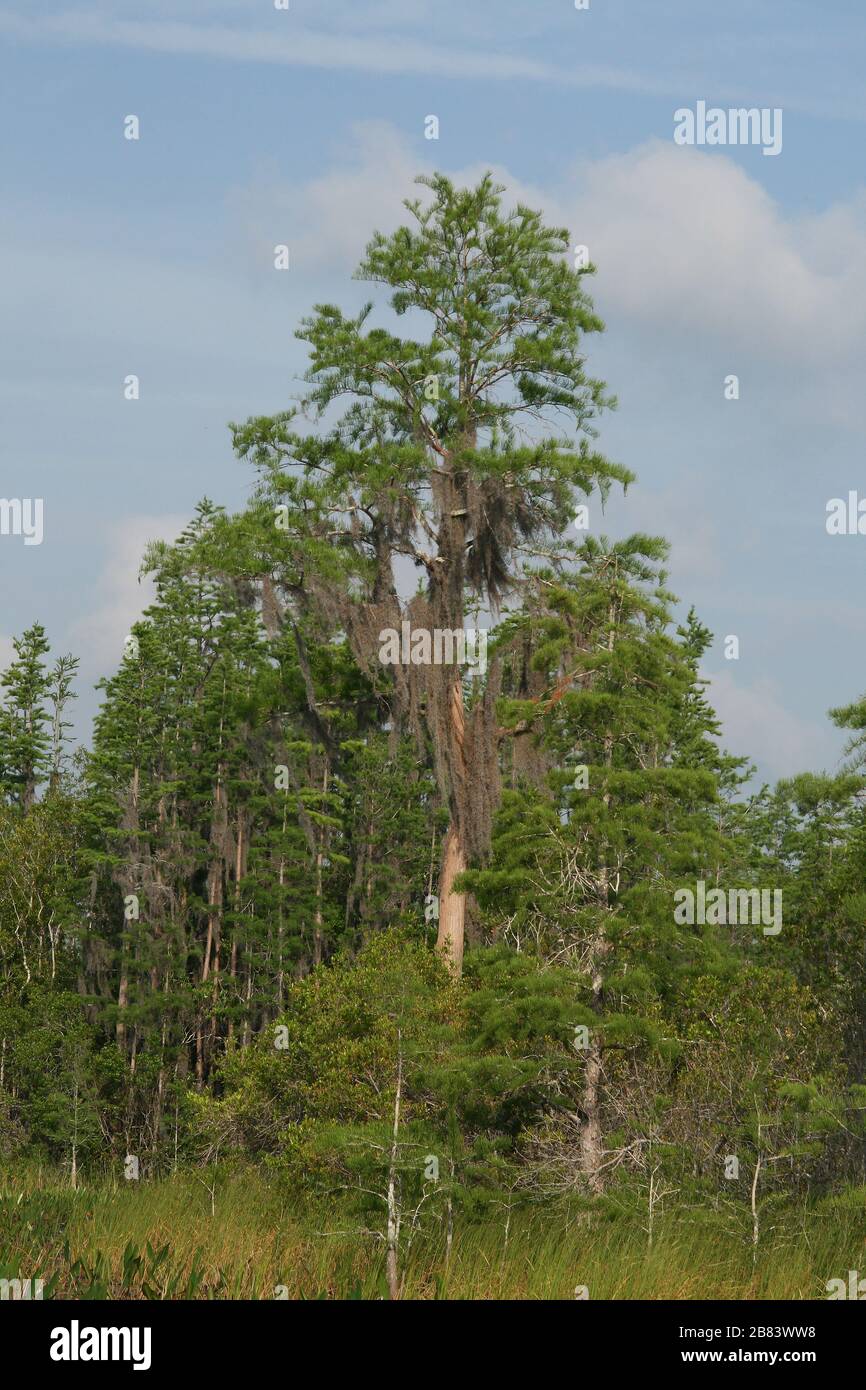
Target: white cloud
(755,723)
(335,212)
(695,257)
(327,223)
(98,638)
(688,245)
(686,241)
(329,220)
(717,268)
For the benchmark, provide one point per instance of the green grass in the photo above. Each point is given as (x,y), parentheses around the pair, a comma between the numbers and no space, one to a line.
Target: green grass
(161,1239)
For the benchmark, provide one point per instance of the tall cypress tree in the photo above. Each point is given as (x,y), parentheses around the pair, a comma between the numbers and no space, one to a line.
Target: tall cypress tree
(446,457)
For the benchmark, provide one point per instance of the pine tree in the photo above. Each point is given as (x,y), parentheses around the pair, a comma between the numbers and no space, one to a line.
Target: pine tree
(587,858)
(60,692)
(24,739)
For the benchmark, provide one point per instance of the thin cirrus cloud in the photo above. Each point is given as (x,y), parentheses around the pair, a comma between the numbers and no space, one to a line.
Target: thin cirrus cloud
(304,47)
(496,43)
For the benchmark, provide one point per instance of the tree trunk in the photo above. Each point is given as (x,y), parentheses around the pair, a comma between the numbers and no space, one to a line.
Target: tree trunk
(591,1143)
(122,1002)
(393,1205)
(75,1138)
(452,906)
(591,1139)
(240,871)
(318,933)
(132,823)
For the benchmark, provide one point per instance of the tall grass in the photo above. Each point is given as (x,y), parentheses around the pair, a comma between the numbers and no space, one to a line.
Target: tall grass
(235,1236)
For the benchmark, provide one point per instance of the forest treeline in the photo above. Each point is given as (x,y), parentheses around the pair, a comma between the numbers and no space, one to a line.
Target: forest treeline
(407,932)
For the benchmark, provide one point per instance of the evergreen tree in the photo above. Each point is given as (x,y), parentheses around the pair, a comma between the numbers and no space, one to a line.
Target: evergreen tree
(624,818)
(24,739)
(431,463)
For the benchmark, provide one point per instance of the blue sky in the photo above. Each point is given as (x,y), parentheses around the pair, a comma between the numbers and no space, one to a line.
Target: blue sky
(261,126)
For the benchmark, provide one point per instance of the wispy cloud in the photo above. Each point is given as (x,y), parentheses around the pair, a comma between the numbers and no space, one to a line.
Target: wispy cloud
(301,46)
(659,50)
(756,722)
(121,595)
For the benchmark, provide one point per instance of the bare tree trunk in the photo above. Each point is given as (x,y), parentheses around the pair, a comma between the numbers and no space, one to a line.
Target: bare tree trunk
(452,906)
(591,1139)
(393,1206)
(591,1145)
(240,870)
(755,1225)
(122,1001)
(318,924)
(449,1220)
(75,1138)
(123,985)
(215,897)
(280,929)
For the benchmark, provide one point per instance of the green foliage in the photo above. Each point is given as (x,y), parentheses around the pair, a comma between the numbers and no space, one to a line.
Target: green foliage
(216,923)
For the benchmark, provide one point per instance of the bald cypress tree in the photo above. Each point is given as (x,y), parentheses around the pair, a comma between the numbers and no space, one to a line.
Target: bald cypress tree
(459,452)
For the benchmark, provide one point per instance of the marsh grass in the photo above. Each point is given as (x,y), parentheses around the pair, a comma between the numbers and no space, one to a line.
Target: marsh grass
(161,1239)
